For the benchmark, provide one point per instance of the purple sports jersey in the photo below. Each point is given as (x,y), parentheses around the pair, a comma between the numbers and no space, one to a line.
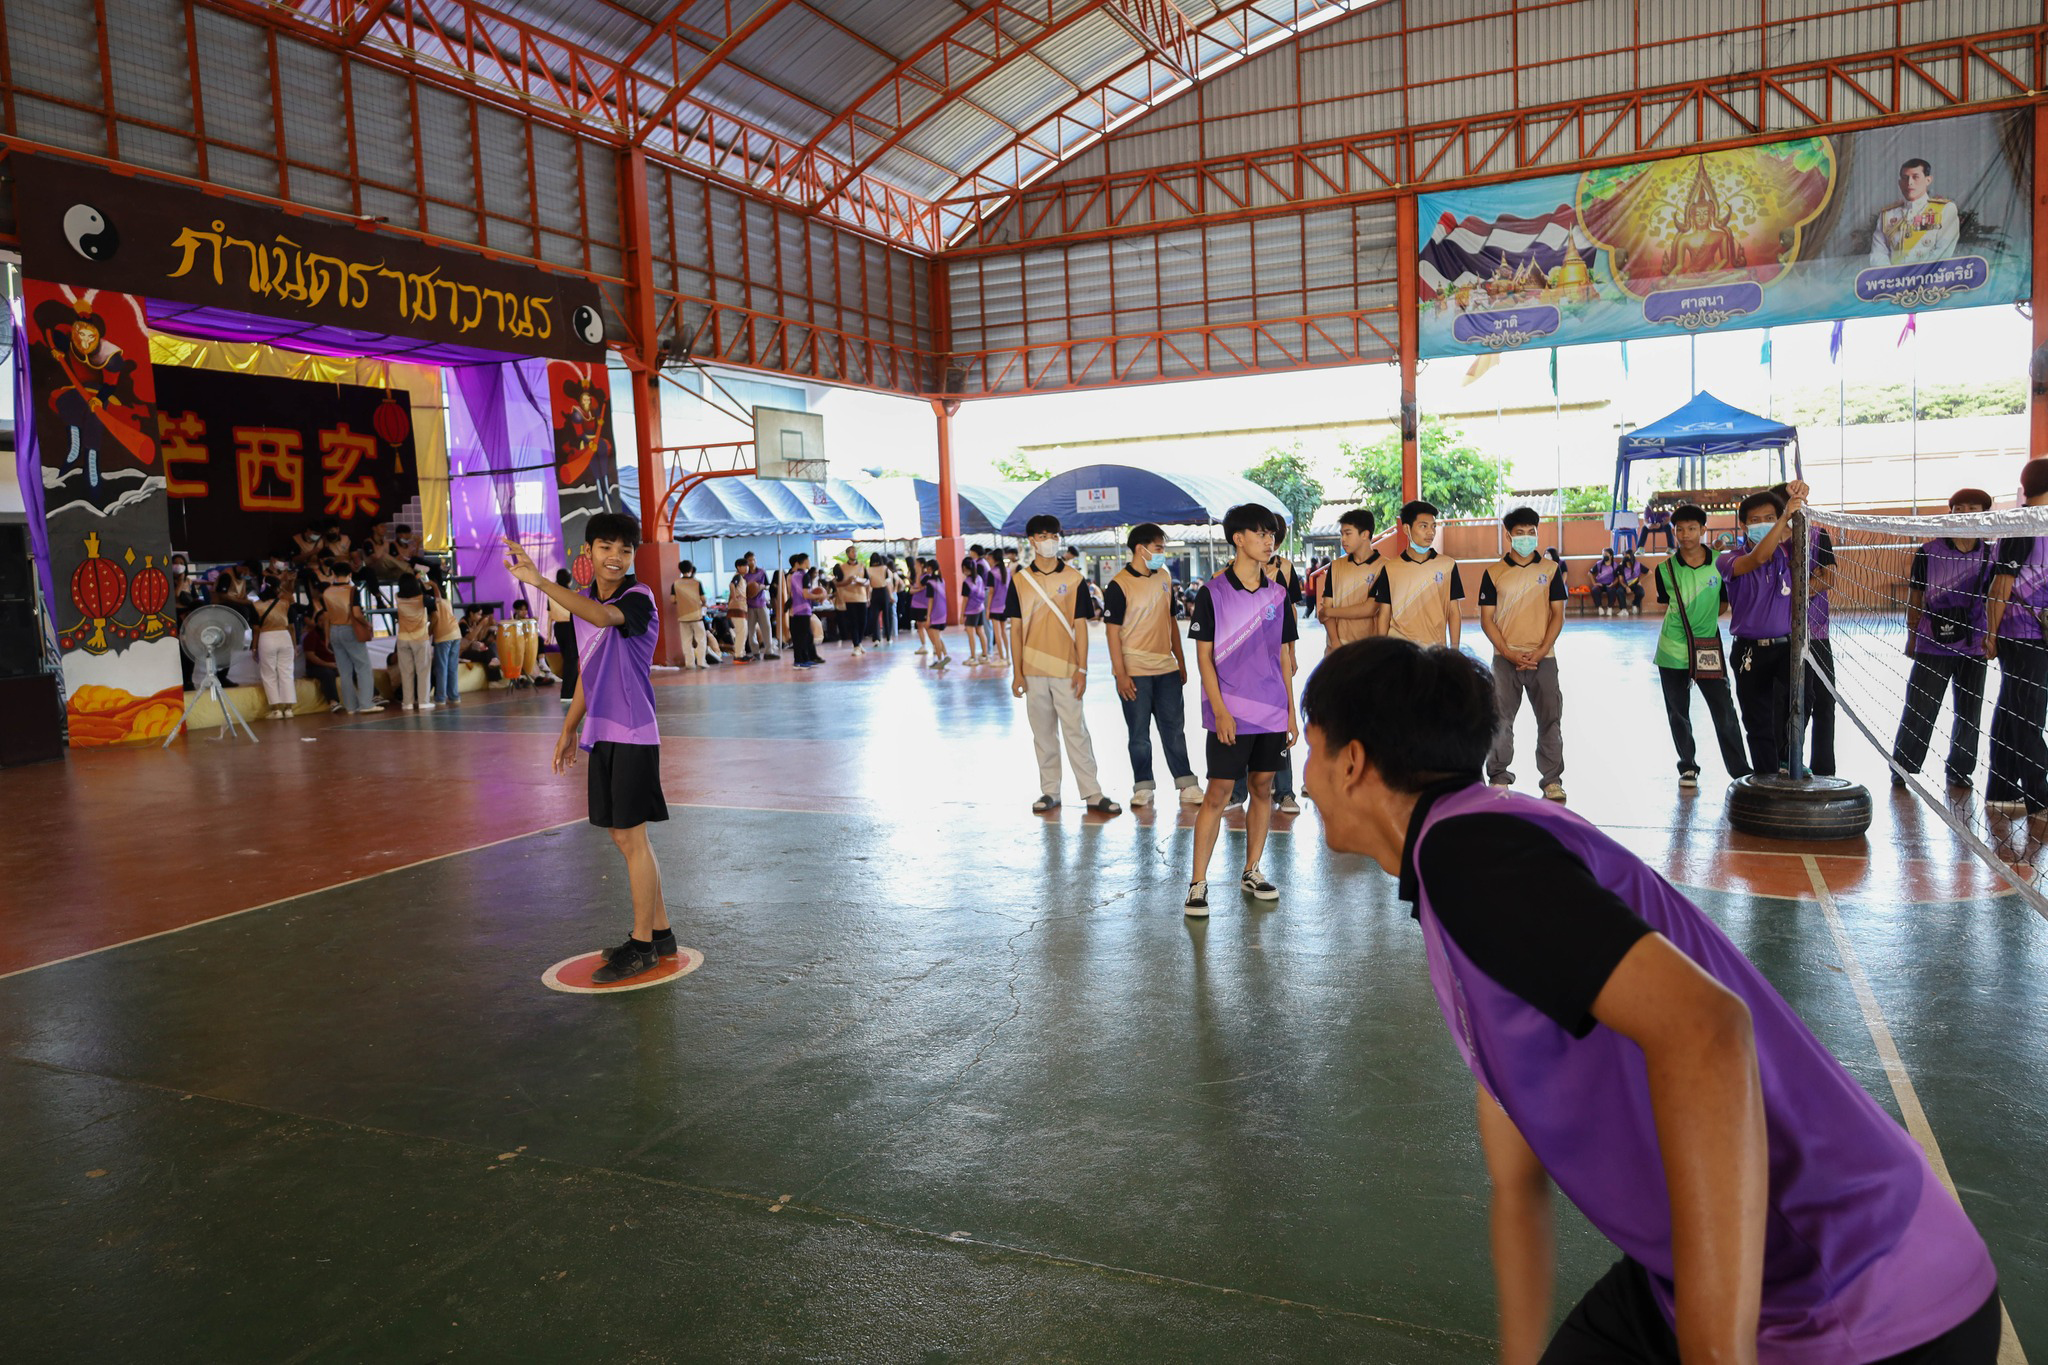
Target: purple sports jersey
(1865,1253)
(1250,630)
(974,589)
(2022,619)
(617,676)
(1604,572)
(757,596)
(935,589)
(921,596)
(1760,601)
(998,590)
(1954,585)
(799,584)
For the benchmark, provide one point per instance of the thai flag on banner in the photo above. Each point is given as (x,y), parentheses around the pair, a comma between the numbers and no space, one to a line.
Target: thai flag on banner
(1467,250)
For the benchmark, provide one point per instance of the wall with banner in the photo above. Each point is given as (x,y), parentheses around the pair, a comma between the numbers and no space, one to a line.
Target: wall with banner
(249,459)
(92,396)
(586,454)
(1932,214)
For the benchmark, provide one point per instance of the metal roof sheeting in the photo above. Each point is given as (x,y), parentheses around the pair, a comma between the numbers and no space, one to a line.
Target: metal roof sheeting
(754,507)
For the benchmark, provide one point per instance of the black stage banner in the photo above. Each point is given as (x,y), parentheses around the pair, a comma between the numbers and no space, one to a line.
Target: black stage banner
(89,227)
(251,459)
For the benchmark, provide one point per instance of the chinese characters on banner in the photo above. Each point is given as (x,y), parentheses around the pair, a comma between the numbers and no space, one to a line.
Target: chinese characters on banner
(251,459)
(586,456)
(1934,214)
(92,393)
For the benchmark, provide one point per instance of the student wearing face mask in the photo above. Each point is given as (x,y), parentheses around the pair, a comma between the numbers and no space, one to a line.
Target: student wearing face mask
(1759,585)
(1047,613)
(1418,586)
(1521,610)
(1948,588)
(1689,588)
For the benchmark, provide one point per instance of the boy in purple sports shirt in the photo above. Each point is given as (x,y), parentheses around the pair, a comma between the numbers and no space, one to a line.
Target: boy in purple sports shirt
(1244,643)
(1948,588)
(1767,1209)
(2014,635)
(614,707)
(1758,574)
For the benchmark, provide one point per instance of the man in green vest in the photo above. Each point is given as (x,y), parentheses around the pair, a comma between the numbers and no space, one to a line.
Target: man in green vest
(1689,587)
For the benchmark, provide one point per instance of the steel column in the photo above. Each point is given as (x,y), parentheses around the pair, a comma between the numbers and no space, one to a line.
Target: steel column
(947,548)
(1410,344)
(2037,442)
(656,562)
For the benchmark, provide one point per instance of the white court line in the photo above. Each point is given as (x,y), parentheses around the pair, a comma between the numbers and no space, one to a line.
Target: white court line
(2009,1351)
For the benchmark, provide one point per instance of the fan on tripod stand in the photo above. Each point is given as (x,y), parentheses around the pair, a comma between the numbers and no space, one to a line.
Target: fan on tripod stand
(210,635)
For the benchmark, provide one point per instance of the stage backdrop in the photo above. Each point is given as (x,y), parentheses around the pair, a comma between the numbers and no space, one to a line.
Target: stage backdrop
(93,418)
(250,459)
(586,456)
(1934,214)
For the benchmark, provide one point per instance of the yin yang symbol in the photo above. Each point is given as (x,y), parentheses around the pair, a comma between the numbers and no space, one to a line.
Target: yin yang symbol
(89,233)
(588,324)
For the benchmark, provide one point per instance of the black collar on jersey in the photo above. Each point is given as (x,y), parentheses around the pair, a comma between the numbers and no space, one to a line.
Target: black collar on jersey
(1411,885)
(1535,559)
(1264,582)
(625,585)
(1361,563)
(1427,555)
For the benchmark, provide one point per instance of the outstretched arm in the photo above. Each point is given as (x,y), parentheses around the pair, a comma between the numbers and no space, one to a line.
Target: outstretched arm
(521,566)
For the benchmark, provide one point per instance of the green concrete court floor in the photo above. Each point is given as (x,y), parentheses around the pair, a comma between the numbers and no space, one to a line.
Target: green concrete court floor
(954,1083)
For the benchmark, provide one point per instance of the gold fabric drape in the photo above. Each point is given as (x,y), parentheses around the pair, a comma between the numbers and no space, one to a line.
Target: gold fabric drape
(422,382)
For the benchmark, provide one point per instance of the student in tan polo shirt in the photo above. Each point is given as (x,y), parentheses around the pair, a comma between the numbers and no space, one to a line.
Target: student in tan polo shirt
(688,594)
(1346,607)
(1419,586)
(1521,609)
(852,584)
(1047,610)
(1151,672)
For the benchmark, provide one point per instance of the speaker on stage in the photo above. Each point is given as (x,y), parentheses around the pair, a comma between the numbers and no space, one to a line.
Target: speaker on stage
(21,644)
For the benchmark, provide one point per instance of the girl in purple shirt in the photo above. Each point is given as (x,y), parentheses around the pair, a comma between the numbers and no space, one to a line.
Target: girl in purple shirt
(974,608)
(936,611)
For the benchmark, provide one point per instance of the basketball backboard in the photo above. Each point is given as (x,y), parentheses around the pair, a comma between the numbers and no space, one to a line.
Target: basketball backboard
(789,446)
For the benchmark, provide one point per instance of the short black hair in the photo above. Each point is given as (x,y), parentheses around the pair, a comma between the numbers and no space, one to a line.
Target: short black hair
(621,528)
(977,549)
(1144,534)
(798,558)
(1415,509)
(1975,496)
(1246,516)
(1421,715)
(1358,519)
(409,588)
(686,569)
(1920,161)
(1521,516)
(1044,524)
(1689,511)
(1767,498)
(563,580)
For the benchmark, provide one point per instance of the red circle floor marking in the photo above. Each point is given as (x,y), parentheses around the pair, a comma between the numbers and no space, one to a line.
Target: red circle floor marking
(572,974)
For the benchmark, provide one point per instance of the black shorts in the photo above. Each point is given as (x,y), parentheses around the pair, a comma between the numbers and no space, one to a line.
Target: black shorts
(1249,754)
(625,785)
(1619,1320)
(919,613)
(935,626)
(976,620)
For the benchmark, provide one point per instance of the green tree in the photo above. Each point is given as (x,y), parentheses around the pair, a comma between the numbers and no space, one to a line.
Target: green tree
(1588,497)
(1021,468)
(1456,477)
(1285,474)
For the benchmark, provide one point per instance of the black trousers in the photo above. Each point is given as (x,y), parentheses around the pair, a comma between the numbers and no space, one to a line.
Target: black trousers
(1819,704)
(1934,675)
(1619,1323)
(802,642)
(1678,684)
(1763,689)
(2019,755)
(565,643)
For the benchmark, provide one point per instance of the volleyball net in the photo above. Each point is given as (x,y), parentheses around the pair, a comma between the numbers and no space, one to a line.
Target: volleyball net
(1900,626)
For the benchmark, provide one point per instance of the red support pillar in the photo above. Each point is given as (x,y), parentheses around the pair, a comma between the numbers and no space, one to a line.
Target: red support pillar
(655,564)
(2037,442)
(1405,257)
(948,549)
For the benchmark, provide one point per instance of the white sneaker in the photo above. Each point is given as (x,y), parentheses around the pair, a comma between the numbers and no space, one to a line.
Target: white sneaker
(857,651)
(1196,906)
(1289,806)
(1141,797)
(1191,796)
(426,706)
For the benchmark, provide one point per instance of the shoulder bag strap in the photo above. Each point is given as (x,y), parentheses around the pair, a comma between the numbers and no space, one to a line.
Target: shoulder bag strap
(1031,580)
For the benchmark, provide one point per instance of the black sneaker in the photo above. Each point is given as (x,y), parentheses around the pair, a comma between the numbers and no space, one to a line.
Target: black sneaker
(1256,886)
(1197,904)
(664,943)
(626,960)
(1689,780)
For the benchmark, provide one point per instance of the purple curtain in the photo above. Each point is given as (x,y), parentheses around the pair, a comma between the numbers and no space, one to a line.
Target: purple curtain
(28,464)
(500,447)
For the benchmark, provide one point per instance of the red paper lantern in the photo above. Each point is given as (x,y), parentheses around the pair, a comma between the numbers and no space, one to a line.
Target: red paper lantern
(391,421)
(98,588)
(150,591)
(582,569)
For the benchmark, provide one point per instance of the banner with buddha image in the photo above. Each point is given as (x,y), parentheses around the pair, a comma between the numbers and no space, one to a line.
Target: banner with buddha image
(93,397)
(1933,214)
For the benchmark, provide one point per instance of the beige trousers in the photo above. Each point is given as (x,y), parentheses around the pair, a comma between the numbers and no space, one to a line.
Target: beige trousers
(1055,712)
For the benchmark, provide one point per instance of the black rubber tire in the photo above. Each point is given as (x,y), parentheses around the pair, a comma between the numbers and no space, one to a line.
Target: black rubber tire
(1812,810)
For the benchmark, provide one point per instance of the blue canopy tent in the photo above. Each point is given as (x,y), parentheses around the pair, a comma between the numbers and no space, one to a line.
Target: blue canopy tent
(752,507)
(1703,427)
(983,506)
(1100,496)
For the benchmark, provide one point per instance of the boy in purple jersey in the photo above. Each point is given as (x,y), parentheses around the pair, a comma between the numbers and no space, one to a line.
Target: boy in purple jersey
(1767,1209)
(1244,643)
(1758,574)
(2013,632)
(1947,590)
(614,708)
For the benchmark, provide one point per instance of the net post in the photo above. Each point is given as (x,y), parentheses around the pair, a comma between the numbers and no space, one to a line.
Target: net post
(1802,623)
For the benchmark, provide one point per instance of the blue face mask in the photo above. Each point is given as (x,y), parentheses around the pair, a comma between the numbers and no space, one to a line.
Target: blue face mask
(1525,546)
(1757,530)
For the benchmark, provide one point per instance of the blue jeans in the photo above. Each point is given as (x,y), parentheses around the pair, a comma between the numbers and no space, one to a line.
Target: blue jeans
(352,660)
(1283,782)
(447,668)
(1159,699)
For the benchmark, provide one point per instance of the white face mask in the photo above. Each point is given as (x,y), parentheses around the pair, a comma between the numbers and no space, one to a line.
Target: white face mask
(1525,546)
(1046,548)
